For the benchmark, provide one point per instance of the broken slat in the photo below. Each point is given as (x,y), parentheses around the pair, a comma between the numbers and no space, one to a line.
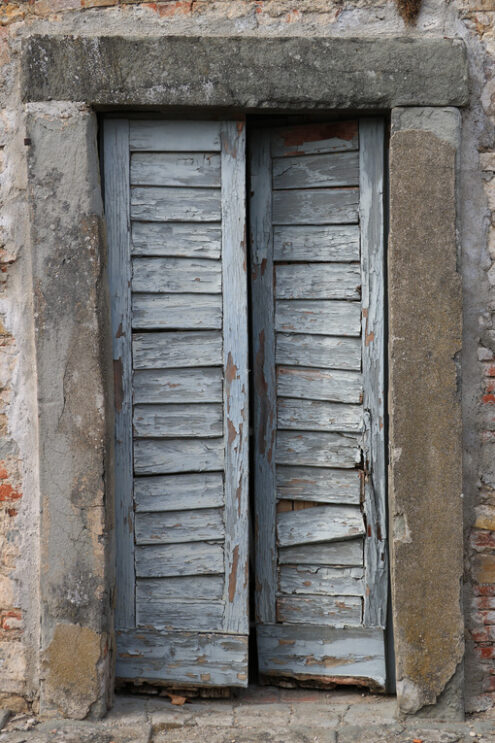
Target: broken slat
(306,206)
(177,311)
(174,527)
(162,421)
(317,449)
(171,349)
(336,611)
(174,136)
(317,281)
(319,524)
(321,351)
(323,317)
(169,560)
(314,138)
(178,385)
(185,614)
(348,553)
(316,171)
(157,204)
(155,457)
(328,581)
(316,243)
(176,169)
(314,415)
(318,484)
(184,587)
(319,384)
(178,492)
(176,276)
(180,239)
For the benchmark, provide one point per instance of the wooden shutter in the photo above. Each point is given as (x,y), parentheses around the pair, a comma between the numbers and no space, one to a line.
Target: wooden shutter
(175,208)
(318,347)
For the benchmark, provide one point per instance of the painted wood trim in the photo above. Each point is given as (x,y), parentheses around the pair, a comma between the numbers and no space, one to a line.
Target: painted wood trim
(372,142)
(263,339)
(117,204)
(236,384)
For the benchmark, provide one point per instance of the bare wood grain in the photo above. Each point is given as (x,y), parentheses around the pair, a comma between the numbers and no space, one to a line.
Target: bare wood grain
(336,611)
(316,171)
(176,276)
(327,352)
(174,136)
(314,415)
(323,317)
(178,385)
(315,206)
(348,553)
(320,384)
(164,456)
(175,169)
(322,580)
(160,204)
(174,527)
(318,484)
(320,524)
(169,560)
(177,311)
(178,492)
(179,239)
(316,243)
(176,349)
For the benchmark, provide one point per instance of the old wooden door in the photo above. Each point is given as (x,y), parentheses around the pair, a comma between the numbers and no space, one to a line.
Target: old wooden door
(175,208)
(316,231)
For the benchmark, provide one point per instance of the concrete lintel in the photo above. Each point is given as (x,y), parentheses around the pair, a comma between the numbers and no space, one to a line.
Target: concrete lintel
(247,73)
(425,478)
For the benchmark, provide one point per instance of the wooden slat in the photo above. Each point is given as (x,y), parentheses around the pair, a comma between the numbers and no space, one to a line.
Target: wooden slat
(159,204)
(181,239)
(178,385)
(317,281)
(175,349)
(317,579)
(319,524)
(314,138)
(297,651)
(116,163)
(177,311)
(315,206)
(176,275)
(168,421)
(323,317)
(263,342)
(317,449)
(183,658)
(174,527)
(313,415)
(176,169)
(336,611)
(348,553)
(155,457)
(316,243)
(236,382)
(169,560)
(318,484)
(178,492)
(316,171)
(198,616)
(175,136)
(187,587)
(320,384)
(327,352)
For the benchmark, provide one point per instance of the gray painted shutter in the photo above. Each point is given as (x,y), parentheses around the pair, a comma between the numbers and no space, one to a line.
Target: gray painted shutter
(318,347)
(175,207)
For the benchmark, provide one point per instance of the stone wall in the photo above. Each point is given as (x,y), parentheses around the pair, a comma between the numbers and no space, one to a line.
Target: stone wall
(20,489)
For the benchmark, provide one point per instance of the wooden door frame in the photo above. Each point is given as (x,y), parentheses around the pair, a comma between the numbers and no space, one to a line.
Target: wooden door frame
(421,83)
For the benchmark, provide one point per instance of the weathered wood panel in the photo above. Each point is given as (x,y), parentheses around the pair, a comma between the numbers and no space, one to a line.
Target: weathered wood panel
(169,560)
(197,587)
(200,616)
(323,317)
(176,276)
(308,206)
(320,384)
(320,351)
(348,553)
(306,139)
(158,204)
(317,449)
(319,524)
(174,349)
(317,281)
(336,611)
(313,415)
(173,527)
(178,385)
(175,136)
(316,243)
(177,311)
(181,239)
(350,652)
(318,484)
(316,171)
(173,169)
(168,421)
(188,658)
(155,457)
(330,581)
(178,492)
